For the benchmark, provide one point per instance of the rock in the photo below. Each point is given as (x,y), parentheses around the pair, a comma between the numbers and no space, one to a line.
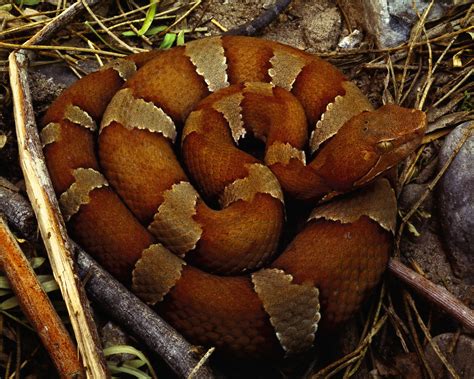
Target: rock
(422,241)
(352,40)
(455,200)
(458,351)
(390,21)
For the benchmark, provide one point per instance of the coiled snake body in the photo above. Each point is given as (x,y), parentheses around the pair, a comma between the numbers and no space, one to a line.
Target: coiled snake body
(219,275)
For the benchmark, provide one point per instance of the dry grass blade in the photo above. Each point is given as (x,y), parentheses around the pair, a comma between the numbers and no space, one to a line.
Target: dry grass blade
(415,36)
(455,87)
(371,322)
(352,361)
(427,334)
(415,339)
(401,329)
(112,35)
(201,363)
(14,46)
(342,363)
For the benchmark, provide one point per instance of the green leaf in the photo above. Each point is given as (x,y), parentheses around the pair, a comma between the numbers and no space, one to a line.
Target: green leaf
(168,41)
(136,363)
(155,30)
(4,283)
(180,40)
(37,262)
(11,302)
(127,349)
(150,15)
(424,213)
(150,32)
(129,33)
(44,278)
(27,2)
(50,286)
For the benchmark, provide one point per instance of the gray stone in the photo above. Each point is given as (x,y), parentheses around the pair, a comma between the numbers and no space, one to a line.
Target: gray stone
(390,21)
(455,195)
(458,350)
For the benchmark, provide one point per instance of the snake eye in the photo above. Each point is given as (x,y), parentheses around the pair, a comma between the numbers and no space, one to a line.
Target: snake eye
(384,146)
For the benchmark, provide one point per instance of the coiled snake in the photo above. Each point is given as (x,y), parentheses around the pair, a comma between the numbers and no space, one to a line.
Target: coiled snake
(201,241)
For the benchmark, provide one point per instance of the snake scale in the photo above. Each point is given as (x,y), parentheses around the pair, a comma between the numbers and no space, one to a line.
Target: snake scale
(201,240)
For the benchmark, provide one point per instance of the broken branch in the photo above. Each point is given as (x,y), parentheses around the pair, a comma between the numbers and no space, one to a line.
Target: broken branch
(437,295)
(37,307)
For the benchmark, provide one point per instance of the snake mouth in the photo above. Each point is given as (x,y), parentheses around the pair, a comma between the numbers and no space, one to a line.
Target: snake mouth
(394,150)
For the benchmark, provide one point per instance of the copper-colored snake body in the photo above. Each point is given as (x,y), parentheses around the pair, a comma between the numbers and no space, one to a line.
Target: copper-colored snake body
(220,275)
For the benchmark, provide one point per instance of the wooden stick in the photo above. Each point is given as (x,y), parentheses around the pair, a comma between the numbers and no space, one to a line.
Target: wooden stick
(59,22)
(138,319)
(17,210)
(51,225)
(37,307)
(438,295)
(264,19)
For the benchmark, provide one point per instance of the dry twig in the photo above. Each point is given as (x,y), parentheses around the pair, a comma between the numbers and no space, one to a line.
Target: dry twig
(59,22)
(435,294)
(261,21)
(17,209)
(37,307)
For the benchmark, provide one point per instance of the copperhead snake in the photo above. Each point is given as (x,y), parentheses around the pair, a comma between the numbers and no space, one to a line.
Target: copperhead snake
(200,241)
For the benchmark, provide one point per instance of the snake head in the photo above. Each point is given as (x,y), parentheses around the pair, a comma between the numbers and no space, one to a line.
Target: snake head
(369,144)
(392,133)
